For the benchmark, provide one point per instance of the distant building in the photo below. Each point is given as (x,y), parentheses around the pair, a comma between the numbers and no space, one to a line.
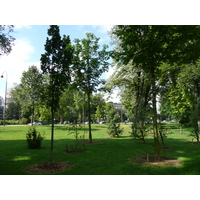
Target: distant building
(117,105)
(1,112)
(9,94)
(1,107)
(1,101)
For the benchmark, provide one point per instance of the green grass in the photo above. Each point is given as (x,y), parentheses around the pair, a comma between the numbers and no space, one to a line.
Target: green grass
(111,157)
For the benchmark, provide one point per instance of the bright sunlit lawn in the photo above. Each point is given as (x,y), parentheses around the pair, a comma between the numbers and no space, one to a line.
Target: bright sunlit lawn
(110,156)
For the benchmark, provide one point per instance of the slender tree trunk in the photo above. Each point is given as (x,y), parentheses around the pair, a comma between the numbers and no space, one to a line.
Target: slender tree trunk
(32,118)
(89,118)
(155,125)
(52,136)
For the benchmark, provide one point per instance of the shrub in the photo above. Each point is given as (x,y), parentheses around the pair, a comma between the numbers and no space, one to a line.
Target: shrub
(113,119)
(23,121)
(12,122)
(34,138)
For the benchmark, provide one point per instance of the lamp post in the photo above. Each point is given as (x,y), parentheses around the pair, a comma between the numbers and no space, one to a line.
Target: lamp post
(4,110)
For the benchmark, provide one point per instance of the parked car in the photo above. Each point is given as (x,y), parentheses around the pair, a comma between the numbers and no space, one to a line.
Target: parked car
(35,123)
(102,122)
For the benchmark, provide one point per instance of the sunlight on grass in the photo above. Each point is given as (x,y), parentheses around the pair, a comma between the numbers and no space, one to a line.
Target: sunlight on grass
(19,158)
(106,156)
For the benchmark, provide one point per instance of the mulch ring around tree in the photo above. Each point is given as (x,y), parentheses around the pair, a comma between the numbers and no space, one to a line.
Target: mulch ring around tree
(48,168)
(195,143)
(94,142)
(75,151)
(151,160)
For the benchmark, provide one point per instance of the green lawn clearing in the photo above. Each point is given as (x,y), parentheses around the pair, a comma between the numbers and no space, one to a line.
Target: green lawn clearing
(107,156)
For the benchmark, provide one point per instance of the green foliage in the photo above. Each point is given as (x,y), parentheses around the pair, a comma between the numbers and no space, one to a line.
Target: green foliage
(55,62)
(99,113)
(34,139)
(88,65)
(23,121)
(6,40)
(74,129)
(194,123)
(13,111)
(140,131)
(148,47)
(28,94)
(113,120)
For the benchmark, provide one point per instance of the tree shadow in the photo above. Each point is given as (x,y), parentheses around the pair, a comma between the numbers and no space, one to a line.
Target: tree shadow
(111,156)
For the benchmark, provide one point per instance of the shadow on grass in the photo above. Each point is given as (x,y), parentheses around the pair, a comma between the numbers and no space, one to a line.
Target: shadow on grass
(79,128)
(111,156)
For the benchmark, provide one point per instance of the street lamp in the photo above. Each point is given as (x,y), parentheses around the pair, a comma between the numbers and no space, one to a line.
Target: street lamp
(4,110)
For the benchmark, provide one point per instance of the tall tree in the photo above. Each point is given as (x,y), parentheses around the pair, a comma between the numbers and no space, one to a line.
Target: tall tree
(55,62)
(29,91)
(6,40)
(135,90)
(148,47)
(89,64)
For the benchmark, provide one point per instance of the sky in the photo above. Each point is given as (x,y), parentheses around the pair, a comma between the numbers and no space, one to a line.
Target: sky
(29,45)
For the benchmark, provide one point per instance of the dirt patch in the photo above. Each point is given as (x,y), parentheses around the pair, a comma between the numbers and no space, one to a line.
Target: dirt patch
(75,151)
(163,147)
(48,167)
(195,143)
(96,142)
(152,160)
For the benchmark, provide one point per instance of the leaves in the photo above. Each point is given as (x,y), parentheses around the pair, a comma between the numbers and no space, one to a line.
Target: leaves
(55,62)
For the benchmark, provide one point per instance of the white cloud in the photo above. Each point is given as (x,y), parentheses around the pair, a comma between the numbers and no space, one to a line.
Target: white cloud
(103,28)
(15,63)
(22,26)
(114,96)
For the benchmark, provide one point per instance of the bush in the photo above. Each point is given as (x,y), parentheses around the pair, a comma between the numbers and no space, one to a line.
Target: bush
(12,122)
(113,119)
(23,121)
(34,138)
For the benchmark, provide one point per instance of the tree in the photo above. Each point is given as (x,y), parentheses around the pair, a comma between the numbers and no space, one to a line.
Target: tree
(66,104)
(88,65)
(148,47)
(6,40)
(135,88)
(55,62)
(13,111)
(99,113)
(184,95)
(29,91)
(113,120)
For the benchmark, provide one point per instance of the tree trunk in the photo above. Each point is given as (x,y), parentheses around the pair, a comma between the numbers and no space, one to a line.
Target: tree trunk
(52,136)
(89,118)
(32,117)
(155,125)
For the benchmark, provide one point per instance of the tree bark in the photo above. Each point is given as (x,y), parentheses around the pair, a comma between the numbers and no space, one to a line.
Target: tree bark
(52,136)
(89,118)
(155,125)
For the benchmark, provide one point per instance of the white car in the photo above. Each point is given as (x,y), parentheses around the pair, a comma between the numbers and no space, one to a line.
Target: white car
(35,123)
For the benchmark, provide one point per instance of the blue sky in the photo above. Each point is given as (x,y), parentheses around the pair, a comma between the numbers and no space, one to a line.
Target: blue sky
(29,45)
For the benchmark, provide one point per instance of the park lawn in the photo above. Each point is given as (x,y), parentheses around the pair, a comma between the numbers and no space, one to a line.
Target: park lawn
(111,156)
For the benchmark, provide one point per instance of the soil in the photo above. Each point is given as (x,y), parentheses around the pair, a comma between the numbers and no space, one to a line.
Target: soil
(195,143)
(162,147)
(96,142)
(76,151)
(153,161)
(48,168)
